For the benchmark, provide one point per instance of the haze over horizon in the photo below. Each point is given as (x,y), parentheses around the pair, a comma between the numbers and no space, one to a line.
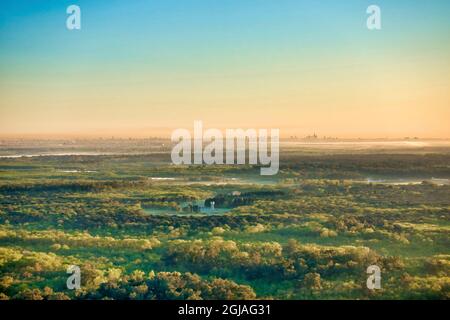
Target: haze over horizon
(147,67)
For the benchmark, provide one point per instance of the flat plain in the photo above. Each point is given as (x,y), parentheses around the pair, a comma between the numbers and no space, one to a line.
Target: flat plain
(141,228)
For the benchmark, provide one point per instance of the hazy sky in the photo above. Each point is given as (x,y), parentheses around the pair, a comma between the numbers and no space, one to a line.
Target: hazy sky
(136,67)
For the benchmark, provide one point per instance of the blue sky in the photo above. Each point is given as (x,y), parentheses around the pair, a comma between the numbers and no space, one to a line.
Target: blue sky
(185,46)
(172,31)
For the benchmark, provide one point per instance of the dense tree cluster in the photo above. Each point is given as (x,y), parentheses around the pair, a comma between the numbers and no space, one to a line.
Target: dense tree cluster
(170,286)
(270,259)
(310,232)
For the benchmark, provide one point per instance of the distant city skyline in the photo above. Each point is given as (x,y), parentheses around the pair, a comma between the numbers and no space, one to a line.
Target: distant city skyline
(144,68)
